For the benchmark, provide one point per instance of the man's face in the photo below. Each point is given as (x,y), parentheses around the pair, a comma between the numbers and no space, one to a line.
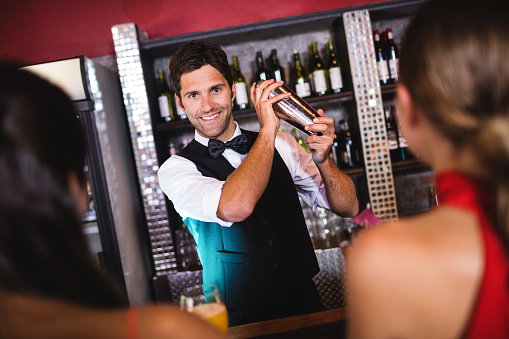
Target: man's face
(207,101)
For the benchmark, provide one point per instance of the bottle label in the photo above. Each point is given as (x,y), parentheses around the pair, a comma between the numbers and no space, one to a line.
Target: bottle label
(241,93)
(335,78)
(402,142)
(320,82)
(278,76)
(303,90)
(383,70)
(394,68)
(164,106)
(392,140)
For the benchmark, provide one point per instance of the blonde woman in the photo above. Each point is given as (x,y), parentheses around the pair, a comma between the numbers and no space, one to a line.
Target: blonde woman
(445,274)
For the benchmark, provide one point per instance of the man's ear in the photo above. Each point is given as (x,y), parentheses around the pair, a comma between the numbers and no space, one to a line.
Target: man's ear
(179,103)
(234,92)
(406,111)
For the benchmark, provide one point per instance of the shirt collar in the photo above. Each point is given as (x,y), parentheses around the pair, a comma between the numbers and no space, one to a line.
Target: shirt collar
(205,141)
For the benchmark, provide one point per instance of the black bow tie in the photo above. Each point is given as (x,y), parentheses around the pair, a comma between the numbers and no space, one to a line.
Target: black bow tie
(238,144)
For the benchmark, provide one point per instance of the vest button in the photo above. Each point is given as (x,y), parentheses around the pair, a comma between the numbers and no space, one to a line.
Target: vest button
(269,242)
(263,221)
(274,264)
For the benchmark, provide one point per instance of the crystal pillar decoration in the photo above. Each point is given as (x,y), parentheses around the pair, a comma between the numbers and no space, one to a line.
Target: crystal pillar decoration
(370,114)
(126,39)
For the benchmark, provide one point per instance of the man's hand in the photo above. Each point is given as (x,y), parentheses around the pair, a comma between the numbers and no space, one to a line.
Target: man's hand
(339,187)
(320,145)
(263,105)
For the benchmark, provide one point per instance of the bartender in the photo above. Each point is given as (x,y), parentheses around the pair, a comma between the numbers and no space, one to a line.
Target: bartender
(238,191)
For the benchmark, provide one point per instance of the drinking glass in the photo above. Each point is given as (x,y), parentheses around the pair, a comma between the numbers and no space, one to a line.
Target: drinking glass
(206,302)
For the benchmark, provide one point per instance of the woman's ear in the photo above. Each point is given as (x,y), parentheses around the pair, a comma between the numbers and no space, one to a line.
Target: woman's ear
(406,113)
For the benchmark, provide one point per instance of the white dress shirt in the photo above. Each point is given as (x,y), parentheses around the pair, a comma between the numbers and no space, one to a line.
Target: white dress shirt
(196,196)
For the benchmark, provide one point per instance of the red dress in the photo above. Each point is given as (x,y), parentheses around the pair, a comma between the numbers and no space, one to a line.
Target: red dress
(490,315)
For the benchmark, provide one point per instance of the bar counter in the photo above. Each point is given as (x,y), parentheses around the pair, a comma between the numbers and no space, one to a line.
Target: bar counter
(320,325)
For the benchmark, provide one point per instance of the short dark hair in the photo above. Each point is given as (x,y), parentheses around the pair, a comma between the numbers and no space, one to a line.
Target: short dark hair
(195,54)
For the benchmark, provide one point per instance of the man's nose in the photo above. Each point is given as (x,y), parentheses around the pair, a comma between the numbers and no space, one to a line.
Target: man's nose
(207,103)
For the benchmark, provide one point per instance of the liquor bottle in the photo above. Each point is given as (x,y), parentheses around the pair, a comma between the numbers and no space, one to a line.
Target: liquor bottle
(261,71)
(392,56)
(301,81)
(381,60)
(392,134)
(277,72)
(335,149)
(336,80)
(403,145)
(241,97)
(166,101)
(310,70)
(348,152)
(319,72)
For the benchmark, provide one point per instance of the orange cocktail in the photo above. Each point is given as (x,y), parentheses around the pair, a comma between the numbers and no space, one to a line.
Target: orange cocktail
(215,313)
(206,302)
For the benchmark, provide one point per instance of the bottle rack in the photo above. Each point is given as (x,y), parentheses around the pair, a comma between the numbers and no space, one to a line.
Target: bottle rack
(138,59)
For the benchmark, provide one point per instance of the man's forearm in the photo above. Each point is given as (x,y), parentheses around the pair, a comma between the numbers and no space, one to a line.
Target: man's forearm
(339,188)
(245,186)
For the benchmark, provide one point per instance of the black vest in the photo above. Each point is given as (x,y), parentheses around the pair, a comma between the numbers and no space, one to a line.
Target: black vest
(251,259)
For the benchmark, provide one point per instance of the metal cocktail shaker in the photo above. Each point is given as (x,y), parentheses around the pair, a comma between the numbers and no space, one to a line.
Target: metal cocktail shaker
(293,109)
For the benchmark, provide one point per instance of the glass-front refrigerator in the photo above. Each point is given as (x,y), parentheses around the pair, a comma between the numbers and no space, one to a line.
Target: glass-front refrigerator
(115,223)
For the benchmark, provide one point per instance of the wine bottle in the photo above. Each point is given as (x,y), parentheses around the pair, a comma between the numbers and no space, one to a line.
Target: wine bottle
(392,56)
(166,101)
(381,60)
(392,134)
(301,81)
(348,154)
(310,70)
(336,80)
(319,72)
(241,97)
(261,71)
(403,145)
(278,72)
(335,149)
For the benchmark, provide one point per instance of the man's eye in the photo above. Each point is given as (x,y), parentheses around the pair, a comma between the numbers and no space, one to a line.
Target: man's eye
(192,95)
(216,90)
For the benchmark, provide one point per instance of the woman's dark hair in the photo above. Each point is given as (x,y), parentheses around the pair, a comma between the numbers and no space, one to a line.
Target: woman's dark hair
(195,54)
(43,251)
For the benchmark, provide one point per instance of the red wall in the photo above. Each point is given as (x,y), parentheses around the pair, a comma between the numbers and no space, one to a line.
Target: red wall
(35,31)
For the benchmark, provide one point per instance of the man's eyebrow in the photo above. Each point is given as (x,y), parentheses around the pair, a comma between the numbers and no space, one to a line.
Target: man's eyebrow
(217,85)
(190,92)
(210,88)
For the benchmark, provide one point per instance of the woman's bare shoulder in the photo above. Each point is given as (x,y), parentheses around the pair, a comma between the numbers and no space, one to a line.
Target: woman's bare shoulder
(404,275)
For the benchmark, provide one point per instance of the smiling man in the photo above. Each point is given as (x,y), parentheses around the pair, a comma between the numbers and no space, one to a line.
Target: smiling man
(238,191)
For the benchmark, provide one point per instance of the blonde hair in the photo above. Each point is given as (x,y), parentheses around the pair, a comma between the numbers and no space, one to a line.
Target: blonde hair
(455,64)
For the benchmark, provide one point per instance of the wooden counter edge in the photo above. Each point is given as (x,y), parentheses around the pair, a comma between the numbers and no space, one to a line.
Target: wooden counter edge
(287,324)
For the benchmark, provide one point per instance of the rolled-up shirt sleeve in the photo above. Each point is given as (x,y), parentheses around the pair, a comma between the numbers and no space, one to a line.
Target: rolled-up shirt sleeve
(305,174)
(192,194)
